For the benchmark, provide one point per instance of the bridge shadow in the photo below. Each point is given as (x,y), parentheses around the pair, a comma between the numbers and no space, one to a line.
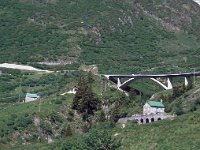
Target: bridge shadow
(131,90)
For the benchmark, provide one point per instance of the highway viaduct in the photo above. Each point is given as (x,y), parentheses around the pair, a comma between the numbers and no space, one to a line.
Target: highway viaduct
(127,79)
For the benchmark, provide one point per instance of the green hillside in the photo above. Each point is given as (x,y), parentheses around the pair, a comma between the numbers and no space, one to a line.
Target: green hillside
(180,134)
(117,36)
(79,41)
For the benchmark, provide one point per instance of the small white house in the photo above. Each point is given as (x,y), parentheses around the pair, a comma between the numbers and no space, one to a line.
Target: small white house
(153,107)
(31,97)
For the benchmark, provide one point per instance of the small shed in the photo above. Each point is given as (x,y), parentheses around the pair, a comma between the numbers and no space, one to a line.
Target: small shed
(153,107)
(31,97)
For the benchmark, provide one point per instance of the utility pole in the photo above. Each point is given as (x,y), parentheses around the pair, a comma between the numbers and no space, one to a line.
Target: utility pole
(20,89)
(39,104)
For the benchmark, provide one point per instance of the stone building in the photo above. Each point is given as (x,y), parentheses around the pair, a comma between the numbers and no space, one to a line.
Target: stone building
(153,107)
(31,97)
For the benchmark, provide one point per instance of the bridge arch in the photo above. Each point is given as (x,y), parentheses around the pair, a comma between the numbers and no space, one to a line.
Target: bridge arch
(127,82)
(130,78)
(159,119)
(141,121)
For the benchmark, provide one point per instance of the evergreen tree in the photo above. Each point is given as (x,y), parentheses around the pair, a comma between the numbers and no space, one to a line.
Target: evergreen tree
(85,101)
(81,88)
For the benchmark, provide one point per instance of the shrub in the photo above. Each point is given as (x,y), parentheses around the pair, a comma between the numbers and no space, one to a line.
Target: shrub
(100,139)
(197,101)
(179,110)
(74,144)
(47,128)
(54,117)
(58,102)
(193,107)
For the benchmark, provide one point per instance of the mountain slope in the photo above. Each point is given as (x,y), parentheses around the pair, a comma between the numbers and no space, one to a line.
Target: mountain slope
(117,36)
(129,36)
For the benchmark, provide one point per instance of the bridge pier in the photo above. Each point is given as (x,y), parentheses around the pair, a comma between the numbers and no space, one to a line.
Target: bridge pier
(188,81)
(118,83)
(169,83)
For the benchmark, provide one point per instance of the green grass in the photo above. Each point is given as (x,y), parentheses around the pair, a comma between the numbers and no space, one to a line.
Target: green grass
(181,133)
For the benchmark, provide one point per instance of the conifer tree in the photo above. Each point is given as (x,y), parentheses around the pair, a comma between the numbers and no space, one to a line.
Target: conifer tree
(85,101)
(81,88)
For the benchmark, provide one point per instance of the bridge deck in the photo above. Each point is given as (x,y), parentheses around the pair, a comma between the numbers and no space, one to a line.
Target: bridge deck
(154,76)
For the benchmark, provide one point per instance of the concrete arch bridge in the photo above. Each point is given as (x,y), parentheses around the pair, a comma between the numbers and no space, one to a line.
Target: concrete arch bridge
(122,81)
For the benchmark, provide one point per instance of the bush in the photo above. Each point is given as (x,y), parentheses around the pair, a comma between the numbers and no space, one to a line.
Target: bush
(54,117)
(24,121)
(58,102)
(73,144)
(193,108)
(179,110)
(100,139)
(47,128)
(197,101)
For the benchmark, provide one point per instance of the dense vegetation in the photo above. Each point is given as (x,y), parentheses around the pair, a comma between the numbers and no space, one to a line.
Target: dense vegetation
(117,36)
(15,84)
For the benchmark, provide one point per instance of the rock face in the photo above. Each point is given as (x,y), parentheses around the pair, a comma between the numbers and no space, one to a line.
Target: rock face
(90,68)
(36,121)
(50,140)
(41,133)
(174,15)
(167,25)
